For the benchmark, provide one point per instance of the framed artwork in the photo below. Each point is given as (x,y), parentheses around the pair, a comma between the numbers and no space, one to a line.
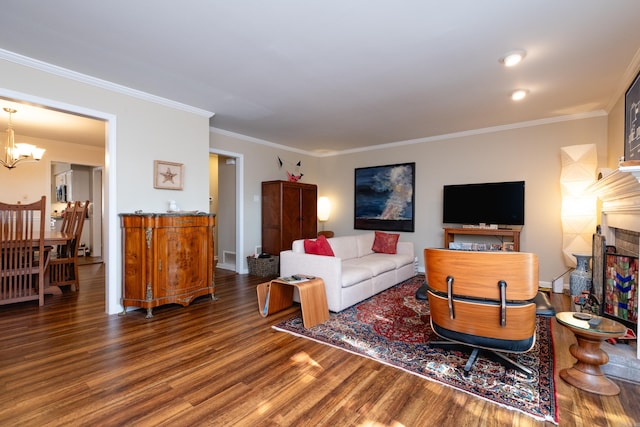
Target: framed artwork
(168,175)
(620,287)
(384,197)
(632,121)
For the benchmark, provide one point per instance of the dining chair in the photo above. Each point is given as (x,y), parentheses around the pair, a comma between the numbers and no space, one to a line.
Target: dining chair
(63,269)
(68,218)
(23,253)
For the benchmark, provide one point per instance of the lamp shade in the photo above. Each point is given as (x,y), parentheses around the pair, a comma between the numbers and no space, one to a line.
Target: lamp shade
(578,214)
(324,208)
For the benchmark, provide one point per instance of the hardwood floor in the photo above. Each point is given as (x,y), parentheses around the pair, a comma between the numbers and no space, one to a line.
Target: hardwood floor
(219,363)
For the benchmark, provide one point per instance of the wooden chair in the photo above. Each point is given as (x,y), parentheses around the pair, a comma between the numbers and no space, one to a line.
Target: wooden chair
(23,254)
(483,300)
(63,270)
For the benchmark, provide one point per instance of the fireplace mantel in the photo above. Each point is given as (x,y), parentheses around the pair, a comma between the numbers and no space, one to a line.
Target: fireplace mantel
(620,195)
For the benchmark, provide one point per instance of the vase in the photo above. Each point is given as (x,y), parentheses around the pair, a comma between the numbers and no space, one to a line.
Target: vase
(580,279)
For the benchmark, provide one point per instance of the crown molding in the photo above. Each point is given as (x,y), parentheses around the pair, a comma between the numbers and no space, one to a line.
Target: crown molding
(94,81)
(493,129)
(626,81)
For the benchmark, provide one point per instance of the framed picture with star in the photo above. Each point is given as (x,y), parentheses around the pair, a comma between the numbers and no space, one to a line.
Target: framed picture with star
(168,175)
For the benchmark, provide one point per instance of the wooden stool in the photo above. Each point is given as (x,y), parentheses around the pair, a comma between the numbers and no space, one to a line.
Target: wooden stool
(277,295)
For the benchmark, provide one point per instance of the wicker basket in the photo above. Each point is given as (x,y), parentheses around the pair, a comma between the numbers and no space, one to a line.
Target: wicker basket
(264,267)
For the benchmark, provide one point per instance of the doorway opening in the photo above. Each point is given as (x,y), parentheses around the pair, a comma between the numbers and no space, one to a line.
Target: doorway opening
(226,196)
(77,182)
(108,144)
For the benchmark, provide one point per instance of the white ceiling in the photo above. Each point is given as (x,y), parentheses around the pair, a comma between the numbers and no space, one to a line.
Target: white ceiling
(334,75)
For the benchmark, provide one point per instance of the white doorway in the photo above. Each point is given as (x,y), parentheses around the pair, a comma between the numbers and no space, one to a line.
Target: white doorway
(109,216)
(226,197)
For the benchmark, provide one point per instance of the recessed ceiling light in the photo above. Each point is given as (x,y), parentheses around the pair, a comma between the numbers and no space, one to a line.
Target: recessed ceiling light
(519,94)
(513,58)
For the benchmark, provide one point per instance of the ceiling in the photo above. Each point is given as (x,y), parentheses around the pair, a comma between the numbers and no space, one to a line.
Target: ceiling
(335,75)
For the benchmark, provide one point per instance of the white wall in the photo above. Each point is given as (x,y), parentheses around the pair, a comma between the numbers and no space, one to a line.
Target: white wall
(528,153)
(141,129)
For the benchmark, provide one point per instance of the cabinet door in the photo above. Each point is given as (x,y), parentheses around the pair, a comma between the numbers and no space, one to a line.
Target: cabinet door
(309,213)
(291,216)
(182,262)
(138,285)
(271,217)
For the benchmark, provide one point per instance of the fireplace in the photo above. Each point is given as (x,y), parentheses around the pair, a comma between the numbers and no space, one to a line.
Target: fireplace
(619,193)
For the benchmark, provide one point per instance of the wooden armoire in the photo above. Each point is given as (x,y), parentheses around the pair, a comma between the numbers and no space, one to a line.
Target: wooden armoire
(289,212)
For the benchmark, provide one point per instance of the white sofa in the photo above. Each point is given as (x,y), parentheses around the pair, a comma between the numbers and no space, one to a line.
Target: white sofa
(355,272)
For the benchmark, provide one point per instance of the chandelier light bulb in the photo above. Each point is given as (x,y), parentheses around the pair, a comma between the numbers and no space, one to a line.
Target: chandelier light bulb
(15,153)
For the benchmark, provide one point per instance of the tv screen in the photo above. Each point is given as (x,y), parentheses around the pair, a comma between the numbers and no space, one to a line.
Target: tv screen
(500,203)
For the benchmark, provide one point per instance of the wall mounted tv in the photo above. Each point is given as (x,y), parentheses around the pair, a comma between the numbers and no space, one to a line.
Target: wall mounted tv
(500,203)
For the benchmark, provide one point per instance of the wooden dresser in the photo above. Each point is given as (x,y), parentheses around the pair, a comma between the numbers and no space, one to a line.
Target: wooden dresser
(166,258)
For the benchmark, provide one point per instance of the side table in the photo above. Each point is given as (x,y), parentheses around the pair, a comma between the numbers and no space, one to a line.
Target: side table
(277,295)
(586,374)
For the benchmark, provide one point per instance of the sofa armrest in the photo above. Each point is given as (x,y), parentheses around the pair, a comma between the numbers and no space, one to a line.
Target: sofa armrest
(328,268)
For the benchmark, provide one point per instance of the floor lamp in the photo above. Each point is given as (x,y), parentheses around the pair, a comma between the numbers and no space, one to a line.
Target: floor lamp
(579,163)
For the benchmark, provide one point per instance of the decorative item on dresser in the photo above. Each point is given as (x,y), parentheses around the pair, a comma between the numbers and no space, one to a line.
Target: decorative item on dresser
(167,258)
(289,212)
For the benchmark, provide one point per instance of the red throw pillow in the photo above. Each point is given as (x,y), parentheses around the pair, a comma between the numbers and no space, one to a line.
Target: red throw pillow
(319,246)
(385,243)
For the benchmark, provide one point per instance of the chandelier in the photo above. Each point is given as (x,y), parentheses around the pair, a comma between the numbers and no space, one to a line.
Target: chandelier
(17,153)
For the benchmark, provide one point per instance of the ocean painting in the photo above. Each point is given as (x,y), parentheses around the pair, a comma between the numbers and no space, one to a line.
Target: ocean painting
(384,197)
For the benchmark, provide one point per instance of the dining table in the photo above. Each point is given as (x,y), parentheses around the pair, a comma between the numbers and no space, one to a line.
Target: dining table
(51,238)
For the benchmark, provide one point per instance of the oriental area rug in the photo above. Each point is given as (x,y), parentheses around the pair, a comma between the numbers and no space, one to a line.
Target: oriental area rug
(393,328)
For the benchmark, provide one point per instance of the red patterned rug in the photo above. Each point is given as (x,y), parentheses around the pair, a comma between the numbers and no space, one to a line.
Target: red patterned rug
(393,328)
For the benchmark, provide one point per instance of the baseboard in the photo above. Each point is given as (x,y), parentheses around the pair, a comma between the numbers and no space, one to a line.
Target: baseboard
(224,266)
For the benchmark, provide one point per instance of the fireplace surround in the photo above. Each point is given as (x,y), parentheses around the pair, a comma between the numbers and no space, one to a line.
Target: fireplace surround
(619,195)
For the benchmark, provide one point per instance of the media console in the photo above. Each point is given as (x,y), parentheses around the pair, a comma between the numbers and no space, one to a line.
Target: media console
(450,234)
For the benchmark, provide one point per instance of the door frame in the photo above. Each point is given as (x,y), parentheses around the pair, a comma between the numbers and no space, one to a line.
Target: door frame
(239,157)
(110,219)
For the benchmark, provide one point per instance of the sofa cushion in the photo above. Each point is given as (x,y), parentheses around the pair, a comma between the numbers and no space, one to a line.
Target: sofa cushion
(364,242)
(354,274)
(344,247)
(385,243)
(319,246)
(376,263)
(400,260)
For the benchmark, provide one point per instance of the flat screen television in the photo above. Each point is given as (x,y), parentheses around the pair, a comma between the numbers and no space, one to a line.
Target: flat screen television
(500,203)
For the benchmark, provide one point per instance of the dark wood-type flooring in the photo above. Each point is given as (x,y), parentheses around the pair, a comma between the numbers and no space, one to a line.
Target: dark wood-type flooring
(219,363)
